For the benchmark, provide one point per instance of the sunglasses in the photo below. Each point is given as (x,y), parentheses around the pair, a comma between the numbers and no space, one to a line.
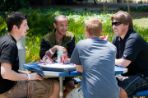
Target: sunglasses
(116,23)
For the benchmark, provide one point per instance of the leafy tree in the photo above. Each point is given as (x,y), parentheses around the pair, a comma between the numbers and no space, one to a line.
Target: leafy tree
(12,5)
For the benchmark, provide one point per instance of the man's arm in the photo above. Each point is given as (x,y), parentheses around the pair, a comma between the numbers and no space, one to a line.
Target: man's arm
(44,46)
(9,74)
(133,47)
(122,62)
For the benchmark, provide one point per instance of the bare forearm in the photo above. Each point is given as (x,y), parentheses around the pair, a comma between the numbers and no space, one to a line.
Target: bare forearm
(122,62)
(14,76)
(9,74)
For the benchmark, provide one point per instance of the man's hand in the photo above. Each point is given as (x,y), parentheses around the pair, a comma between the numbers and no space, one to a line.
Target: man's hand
(56,48)
(46,59)
(33,76)
(59,48)
(62,54)
(104,37)
(79,68)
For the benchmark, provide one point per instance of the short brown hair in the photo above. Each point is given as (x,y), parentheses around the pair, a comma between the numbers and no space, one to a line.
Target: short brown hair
(123,17)
(94,25)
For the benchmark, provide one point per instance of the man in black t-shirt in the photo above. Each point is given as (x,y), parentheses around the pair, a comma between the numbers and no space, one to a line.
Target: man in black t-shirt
(132,52)
(12,83)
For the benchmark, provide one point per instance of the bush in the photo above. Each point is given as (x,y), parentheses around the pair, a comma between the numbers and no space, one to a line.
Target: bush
(12,5)
(2,26)
(41,22)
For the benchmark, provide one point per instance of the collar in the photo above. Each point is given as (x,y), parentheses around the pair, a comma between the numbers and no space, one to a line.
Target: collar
(126,36)
(12,37)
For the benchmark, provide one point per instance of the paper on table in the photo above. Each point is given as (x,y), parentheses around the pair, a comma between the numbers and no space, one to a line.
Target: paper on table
(58,67)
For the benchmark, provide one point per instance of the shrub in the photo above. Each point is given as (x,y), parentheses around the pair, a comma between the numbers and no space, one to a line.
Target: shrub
(41,22)
(12,5)
(2,26)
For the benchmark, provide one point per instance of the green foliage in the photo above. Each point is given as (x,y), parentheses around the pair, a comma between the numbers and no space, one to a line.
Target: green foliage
(2,26)
(41,22)
(143,32)
(32,48)
(11,5)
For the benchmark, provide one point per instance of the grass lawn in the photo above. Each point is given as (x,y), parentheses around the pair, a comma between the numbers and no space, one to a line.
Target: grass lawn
(142,22)
(142,26)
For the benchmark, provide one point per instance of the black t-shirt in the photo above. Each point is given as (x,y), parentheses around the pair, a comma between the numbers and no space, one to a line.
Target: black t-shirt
(8,54)
(134,48)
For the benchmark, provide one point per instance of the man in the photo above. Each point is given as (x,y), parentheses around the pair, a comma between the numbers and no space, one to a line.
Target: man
(132,52)
(58,39)
(14,84)
(94,57)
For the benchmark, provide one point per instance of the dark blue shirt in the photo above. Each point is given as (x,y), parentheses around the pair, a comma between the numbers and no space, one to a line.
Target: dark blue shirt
(97,57)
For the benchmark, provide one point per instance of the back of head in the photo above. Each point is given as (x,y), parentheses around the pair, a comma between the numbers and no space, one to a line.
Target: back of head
(93,26)
(15,18)
(123,17)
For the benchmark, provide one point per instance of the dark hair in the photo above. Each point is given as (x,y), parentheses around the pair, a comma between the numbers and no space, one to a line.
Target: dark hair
(15,18)
(123,17)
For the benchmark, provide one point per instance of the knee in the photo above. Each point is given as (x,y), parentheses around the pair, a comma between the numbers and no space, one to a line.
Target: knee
(123,93)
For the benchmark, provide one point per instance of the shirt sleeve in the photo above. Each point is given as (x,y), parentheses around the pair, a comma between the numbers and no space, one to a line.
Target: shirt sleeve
(44,46)
(75,57)
(9,53)
(133,47)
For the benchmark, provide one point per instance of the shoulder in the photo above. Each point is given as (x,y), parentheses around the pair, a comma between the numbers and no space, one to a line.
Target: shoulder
(111,46)
(6,41)
(84,43)
(135,35)
(81,45)
(48,36)
(69,36)
(135,38)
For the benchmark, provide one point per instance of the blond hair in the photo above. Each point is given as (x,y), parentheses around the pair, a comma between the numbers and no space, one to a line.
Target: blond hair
(93,26)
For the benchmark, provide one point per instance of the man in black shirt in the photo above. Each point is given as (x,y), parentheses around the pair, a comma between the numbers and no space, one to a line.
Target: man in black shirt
(132,52)
(12,83)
